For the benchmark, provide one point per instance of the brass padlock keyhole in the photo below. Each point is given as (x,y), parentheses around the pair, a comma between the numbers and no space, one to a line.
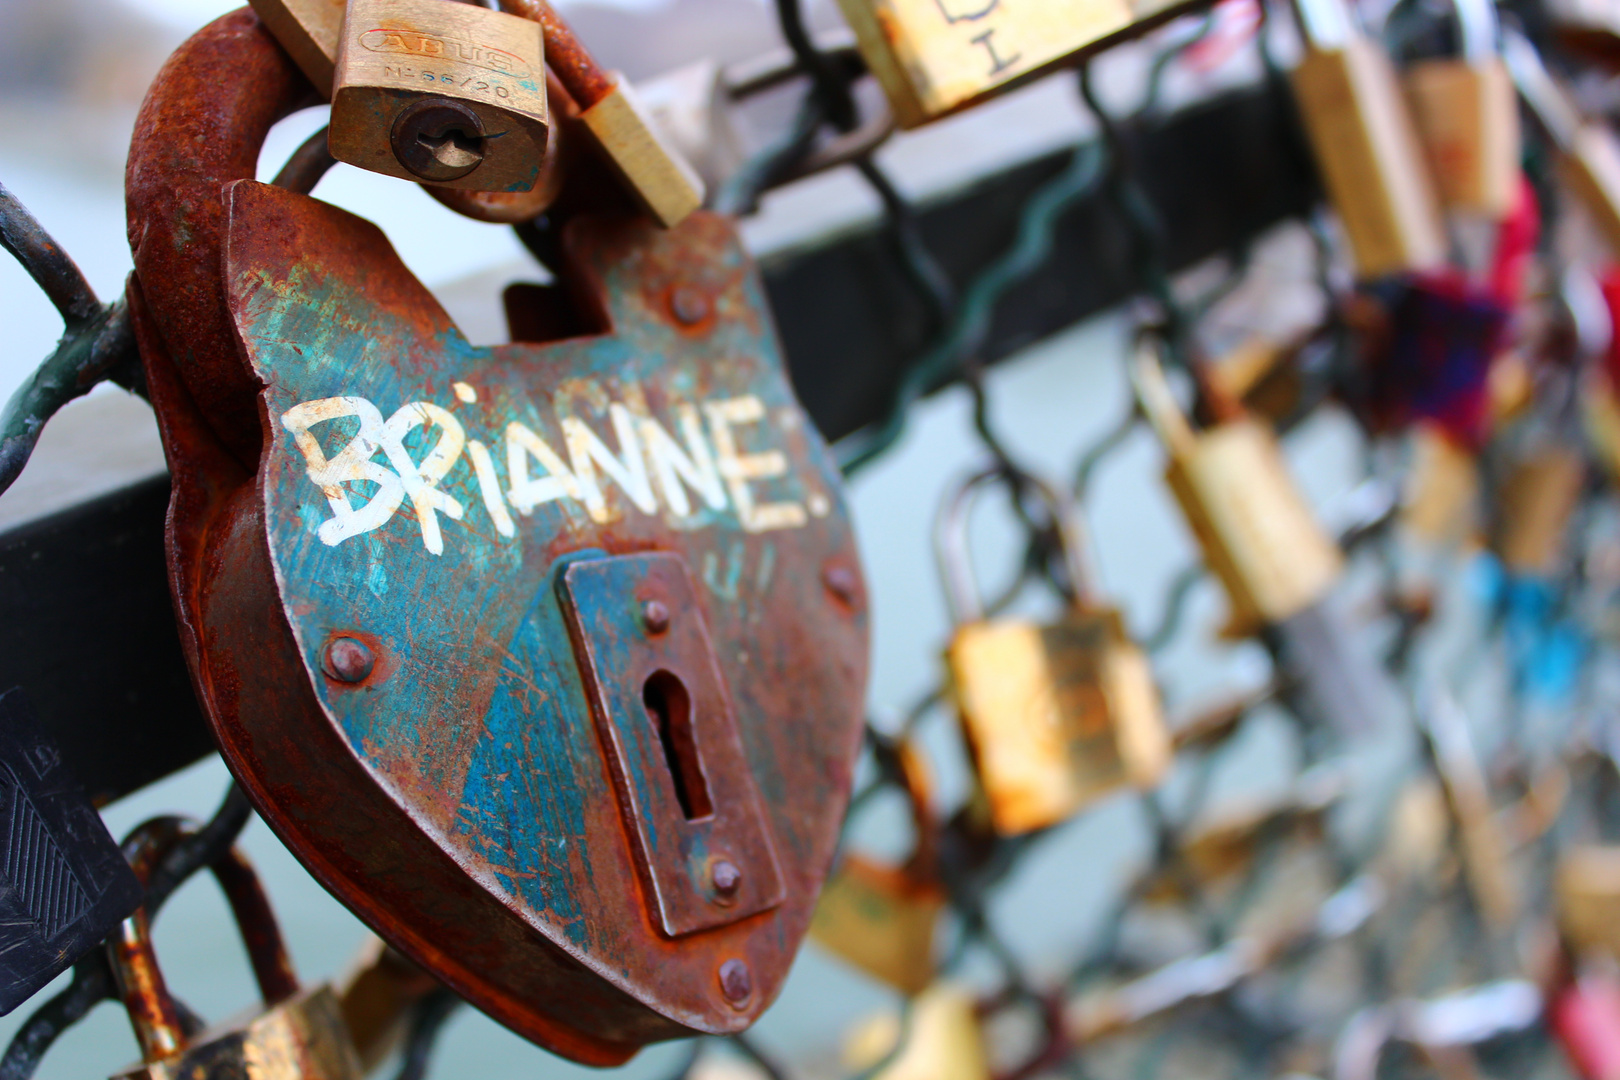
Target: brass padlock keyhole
(438,139)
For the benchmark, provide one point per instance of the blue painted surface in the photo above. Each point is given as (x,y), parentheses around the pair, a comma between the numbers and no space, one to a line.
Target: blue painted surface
(477,719)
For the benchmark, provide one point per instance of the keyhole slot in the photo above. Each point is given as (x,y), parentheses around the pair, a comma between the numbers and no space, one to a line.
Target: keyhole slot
(455,149)
(669,707)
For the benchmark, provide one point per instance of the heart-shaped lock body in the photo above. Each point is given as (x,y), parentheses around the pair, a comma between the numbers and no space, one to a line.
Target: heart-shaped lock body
(546,659)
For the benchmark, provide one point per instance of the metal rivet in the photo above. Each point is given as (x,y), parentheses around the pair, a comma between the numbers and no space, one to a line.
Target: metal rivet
(438,139)
(726,878)
(655,616)
(841,582)
(736,982)
(349,660)
(689,304)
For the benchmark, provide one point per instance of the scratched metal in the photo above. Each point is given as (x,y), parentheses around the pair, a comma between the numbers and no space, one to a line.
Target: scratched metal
(458,796)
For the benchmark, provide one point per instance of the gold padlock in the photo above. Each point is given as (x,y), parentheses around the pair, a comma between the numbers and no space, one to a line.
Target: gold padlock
(1228,843)
(1535,502)
(1587,883)
(377,996)
(1588,155)
(309,30)
(442,93)
(884,919)
(1257,534)
(1055,716)
(1365,144)
(939,1038)
(1600,419)
(299,1034)
(934,57)
(1467,117)
(1441,489)
(1484,847)
(660,179)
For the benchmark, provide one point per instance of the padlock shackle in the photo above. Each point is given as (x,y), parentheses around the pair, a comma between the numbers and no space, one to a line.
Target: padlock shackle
(1326,25)
(586,81)
(1536,85)
(144,991)
(202,126)
(1477,28)
(955,560)
(1158,402)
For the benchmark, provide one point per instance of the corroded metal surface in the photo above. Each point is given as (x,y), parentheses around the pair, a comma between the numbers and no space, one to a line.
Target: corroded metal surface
(420,496)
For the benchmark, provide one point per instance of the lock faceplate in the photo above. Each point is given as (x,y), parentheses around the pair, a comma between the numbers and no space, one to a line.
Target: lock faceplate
(670,737)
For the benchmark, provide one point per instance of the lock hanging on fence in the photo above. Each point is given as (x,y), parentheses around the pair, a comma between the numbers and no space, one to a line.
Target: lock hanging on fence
(937,57)
(1588,155)
(395,112)
(1258,536)
(884,919)
(547,659)
(299,1034)
(1365,144)
(1467,117)
(440,92)
(1056,716)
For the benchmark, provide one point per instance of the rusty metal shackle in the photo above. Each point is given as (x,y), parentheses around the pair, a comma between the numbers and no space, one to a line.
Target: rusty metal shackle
(145,993)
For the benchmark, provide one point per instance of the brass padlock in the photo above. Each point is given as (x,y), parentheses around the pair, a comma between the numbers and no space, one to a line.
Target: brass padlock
(934,57)
(1056,716)
(884,919)
(1587,885)
(299,1034)
(1484,847)
(1467,117)
(1258,535)
(939,1038)
(1440,490)
(441,93)
(378,995)
(1588,155)
(654,172)
(1535,502)
(1365,144)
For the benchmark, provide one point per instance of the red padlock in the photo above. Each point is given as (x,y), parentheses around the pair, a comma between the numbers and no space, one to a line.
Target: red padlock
(547,659)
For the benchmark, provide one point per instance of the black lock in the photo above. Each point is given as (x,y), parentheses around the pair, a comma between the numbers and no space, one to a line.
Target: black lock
(64,886)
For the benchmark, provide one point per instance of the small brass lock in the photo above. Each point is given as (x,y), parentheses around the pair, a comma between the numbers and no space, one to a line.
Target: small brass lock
(940,1040)
(299,1034)
(1441,488)
(442,93)
(1467,117)
(1258,535)
(934,57)
(1588,154)
(1365,144)
(1056,716)
(883,919)
(1535,502)
(1587,884)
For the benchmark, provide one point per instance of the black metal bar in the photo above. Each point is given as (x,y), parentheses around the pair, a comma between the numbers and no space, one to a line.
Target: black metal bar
(89,633)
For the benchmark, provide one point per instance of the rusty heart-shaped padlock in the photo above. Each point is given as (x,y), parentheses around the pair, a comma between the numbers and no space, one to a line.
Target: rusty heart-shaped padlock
(548,658)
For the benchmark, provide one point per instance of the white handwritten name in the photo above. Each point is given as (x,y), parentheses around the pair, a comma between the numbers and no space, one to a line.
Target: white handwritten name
(653,467)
